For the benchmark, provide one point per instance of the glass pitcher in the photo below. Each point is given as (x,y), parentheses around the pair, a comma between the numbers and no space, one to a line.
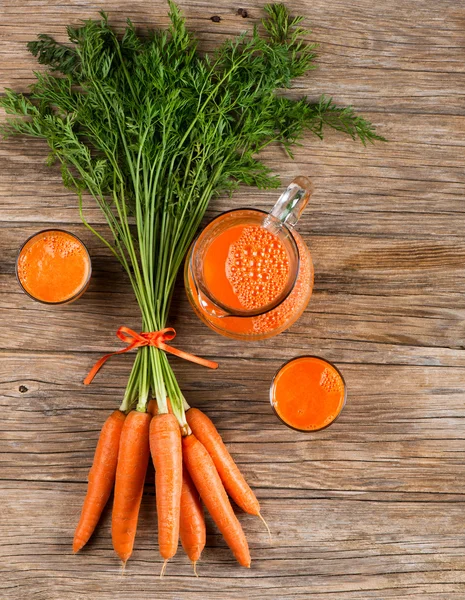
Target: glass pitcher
(249,274)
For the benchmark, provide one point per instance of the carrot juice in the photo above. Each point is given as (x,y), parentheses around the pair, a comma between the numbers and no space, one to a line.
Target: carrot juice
(308,393)
(246,267)
(53,267)
(252,281)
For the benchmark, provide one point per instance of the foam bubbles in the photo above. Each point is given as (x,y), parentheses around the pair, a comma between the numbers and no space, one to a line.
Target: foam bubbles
(257,267)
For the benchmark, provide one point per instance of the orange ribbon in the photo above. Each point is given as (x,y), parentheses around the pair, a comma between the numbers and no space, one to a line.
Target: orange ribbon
(152,338)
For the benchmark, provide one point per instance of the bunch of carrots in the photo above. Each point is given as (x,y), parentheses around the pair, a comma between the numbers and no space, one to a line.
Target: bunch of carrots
(187,468)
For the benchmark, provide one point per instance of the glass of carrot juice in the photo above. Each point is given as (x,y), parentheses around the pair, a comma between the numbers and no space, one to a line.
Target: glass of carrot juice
(249,274)
(308,393)
(53,267)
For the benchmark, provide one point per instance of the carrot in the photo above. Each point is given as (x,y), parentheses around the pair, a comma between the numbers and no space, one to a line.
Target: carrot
(192,522)
(166,449)
(208,483)
(101,478)
(233,480)
(152,407)
(133,458)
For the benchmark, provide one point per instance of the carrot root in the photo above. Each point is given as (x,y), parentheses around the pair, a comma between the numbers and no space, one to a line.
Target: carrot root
(233,480)
(101,478)
(152,407)
(163,569)
(166,449)
(266,525)
(194,566)
(191,520)
(133,458)
(202,469)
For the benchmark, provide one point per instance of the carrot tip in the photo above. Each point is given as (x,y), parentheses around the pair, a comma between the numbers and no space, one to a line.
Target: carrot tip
(266,525)
(163,569)
(194,566)
(123,567)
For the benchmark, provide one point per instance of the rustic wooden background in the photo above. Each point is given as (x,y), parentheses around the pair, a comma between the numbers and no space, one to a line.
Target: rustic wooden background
(371,508)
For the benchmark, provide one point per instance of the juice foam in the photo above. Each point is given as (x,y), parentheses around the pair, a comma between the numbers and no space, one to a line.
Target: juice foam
(257,267)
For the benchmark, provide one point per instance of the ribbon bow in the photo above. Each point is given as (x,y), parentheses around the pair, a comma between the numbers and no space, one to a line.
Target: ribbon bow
(151,338)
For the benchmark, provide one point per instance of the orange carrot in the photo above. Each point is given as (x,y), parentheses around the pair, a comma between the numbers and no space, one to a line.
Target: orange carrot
(152,407)
(191,522)
(208,483)
(101,478)
(130,476)
(233,480)
(166,449)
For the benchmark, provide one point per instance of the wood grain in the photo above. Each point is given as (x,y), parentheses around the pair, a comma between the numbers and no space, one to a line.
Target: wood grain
(371,508)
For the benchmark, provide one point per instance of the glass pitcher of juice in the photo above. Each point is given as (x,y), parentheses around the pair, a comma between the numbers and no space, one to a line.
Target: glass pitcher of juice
(249,274)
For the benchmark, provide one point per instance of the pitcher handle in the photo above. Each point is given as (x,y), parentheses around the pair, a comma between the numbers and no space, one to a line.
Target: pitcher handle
(292,201)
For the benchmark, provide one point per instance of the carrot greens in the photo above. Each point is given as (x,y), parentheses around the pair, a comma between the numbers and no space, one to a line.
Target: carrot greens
(153,130)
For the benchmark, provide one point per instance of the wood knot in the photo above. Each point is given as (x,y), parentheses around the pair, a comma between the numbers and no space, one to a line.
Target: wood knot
(242,13)
(23,389)
(215,19)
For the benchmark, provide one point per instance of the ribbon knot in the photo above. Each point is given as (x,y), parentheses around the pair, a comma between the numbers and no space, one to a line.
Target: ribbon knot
(157,339)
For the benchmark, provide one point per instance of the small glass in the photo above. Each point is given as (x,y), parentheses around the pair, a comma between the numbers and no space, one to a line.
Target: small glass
(323,361)
(31,240)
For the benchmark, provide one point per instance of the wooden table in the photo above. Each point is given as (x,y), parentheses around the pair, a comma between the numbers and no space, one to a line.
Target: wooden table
(372,507)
